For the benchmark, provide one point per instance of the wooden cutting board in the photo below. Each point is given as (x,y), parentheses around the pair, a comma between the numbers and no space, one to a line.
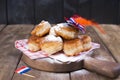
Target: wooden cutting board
(106,68)
(48,64)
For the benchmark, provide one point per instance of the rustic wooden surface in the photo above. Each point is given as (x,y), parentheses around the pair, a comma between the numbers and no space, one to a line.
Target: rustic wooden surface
(2,26)
(112,39)
(20,11)
(3,12)
(33,11)
(48,10)
(10,58)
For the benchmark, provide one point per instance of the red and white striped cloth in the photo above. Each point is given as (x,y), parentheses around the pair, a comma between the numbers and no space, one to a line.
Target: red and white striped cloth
(22,46)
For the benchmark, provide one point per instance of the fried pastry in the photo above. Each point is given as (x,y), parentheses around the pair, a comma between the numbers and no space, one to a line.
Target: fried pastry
(33,43)
(86,40)
(51,44)
(57,27)
(52,30)
(41,29)
(66,31)
(73,47)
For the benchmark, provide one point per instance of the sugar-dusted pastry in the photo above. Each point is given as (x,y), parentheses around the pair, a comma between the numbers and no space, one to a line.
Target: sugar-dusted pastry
(86,40)
(66,31)
(73,47)
(41,29)
(52,30)
(34,43)
(57,27)
(51,44)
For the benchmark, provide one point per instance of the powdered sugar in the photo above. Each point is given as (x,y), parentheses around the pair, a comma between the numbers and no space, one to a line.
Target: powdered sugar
(58,26)
(52,38)
(62,24)
(52,30)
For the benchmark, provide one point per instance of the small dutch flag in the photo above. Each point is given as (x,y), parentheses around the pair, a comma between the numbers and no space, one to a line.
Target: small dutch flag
(22,70)
(72,22)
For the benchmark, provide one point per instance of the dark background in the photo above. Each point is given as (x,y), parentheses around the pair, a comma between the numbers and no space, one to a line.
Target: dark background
(33,11)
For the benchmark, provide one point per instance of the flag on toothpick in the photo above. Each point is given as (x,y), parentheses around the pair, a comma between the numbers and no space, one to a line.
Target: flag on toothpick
(72,22)
(22,70)
(81,23)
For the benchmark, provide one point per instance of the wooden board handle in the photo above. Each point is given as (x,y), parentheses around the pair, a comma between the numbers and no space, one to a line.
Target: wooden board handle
(106,68)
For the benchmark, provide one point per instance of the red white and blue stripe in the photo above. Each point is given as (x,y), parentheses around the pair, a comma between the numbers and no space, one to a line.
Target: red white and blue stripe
(72,22)
(23,70)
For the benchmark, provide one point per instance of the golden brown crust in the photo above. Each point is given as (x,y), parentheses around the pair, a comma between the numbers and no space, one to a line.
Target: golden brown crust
(72,47)
(33,38)
(86,40)
(52,45)
(67,32)
(34,43)
(41,29)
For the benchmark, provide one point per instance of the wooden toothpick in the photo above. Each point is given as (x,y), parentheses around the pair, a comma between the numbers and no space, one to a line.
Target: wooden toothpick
(29,75)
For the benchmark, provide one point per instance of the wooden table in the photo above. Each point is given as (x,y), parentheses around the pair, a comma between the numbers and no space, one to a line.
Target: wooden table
(11,58)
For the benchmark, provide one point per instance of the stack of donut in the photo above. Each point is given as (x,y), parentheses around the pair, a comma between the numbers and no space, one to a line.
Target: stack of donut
(60,37)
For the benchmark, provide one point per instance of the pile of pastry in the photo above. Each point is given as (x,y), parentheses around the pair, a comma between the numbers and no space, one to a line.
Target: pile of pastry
(60,37)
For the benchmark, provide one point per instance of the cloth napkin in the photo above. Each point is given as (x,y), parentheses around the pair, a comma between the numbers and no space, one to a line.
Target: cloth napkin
(60,56)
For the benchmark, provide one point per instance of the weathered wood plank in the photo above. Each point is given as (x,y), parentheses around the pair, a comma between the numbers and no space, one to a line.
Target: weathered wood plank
(102,53)
(87,75)
(84,8)
(97,10)
(118,12)
(104,11)
(2,26)
(20,11)
(51,11)
(3,16)
(70,7)
(9,55)
(112,39)
(41,75)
